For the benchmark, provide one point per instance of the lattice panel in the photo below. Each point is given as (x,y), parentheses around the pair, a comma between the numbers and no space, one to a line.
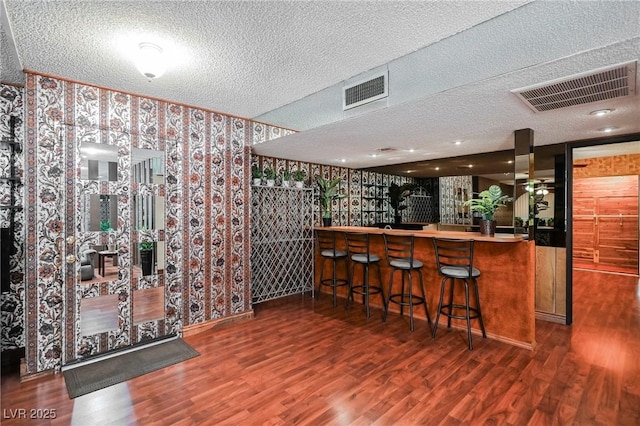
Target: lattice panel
(281,242)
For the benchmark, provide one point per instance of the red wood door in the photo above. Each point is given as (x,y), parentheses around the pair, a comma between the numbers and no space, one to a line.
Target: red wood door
(605,223)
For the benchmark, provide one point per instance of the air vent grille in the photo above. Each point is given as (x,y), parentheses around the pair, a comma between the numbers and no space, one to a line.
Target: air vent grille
(599,85)
(364,92)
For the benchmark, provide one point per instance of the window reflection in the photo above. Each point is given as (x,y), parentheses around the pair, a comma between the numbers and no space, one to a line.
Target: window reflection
(100,213)
(98,162)
(147,166)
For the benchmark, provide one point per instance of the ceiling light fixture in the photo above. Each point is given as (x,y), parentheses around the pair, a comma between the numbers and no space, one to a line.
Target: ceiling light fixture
(150,61)
(601,112)
(457,142)
(608,129)
(343,160)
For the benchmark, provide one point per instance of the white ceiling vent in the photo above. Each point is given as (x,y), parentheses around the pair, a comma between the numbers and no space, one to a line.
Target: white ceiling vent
(598,85)
(363,92)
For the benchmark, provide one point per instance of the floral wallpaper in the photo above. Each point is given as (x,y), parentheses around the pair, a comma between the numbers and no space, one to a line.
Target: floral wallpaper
(364,190)
(12,320)
(206,207)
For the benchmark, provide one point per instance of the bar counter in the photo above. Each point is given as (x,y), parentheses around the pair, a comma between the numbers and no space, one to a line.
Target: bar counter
(506,283)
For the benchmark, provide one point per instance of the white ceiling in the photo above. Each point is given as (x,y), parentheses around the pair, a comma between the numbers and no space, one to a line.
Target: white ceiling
(451,66)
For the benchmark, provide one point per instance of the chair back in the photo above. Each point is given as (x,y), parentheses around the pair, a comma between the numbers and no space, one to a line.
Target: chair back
(456,254)
(399,248)
(327,243)
(358,244)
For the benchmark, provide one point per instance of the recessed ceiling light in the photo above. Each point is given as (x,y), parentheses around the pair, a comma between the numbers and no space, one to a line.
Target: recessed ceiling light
(437,168)
(608,129)
(600,112)
(412,150)
(374,155)
(343,160)
(458,142)
(470,166)
(510,162)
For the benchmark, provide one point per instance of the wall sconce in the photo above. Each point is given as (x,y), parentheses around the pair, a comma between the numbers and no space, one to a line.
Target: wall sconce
(150,61)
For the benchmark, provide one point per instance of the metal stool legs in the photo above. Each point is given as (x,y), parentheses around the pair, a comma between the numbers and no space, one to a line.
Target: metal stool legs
(365,289)
(406,297)
(470,312)
(334,282)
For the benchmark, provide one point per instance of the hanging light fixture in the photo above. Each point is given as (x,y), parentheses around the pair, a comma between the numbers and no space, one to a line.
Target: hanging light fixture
(542,189)
(150,61)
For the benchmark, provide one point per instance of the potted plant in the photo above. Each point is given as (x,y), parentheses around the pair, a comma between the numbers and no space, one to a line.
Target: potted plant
(486,204)
(328,190)
(286,178)
(270,175)
(256,175)
(146,257)
(397,197)
(298,177)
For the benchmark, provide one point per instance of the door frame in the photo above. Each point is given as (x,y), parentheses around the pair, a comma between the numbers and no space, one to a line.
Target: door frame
(569,147)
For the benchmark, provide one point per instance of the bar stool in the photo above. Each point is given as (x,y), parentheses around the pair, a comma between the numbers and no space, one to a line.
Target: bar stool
(399,251)
(454,259)
(329,251)
(359,253)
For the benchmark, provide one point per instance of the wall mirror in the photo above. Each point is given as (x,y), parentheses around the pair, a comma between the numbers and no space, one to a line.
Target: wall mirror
(147,166)
(98,161)
(100,213)
(148,212)
(148,258)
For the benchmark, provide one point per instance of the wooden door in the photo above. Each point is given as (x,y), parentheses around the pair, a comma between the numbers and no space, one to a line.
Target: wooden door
(605,223)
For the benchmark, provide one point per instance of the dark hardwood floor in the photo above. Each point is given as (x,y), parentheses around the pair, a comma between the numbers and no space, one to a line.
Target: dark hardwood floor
(301,361)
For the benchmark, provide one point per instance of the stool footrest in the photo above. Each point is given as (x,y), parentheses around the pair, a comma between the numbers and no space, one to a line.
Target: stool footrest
(360,289)
(338,282)
(450,313)
(399,299)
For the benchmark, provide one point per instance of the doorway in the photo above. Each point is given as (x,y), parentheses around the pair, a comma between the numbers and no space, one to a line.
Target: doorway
(602,208)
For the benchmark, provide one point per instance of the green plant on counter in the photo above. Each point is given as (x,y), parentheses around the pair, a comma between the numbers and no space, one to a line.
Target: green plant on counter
(256,173)
(328,190)
(488,202)
(398,195)
(269,173)
(299,175)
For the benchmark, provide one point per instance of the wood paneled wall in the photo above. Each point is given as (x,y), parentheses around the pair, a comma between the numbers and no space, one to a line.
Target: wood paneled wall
(605,223)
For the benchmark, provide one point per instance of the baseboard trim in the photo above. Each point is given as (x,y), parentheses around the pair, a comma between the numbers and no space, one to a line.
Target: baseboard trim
(25,377)
(190,330)
(477,332)
(544,316)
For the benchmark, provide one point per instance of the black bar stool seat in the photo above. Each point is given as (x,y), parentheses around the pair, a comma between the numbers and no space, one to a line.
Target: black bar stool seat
(399,250)
(329,251)
(454,259)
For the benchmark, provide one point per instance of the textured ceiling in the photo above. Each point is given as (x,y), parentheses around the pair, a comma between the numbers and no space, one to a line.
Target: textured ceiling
(451,66)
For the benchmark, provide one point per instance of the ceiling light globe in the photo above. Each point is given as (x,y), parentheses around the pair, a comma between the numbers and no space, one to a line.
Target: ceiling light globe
(150,61)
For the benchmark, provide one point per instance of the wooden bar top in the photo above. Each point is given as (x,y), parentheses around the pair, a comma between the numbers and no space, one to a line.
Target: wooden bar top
(456,235)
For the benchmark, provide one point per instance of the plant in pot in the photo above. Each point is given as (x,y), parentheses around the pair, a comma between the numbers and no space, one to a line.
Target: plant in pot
(286,178)
(397,196)
(146,257)
(270,175)
(486,204)
(256,175)
(328,190)
(298,177)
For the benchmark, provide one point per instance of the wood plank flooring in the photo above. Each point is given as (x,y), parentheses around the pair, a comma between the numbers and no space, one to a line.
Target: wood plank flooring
(301,361)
